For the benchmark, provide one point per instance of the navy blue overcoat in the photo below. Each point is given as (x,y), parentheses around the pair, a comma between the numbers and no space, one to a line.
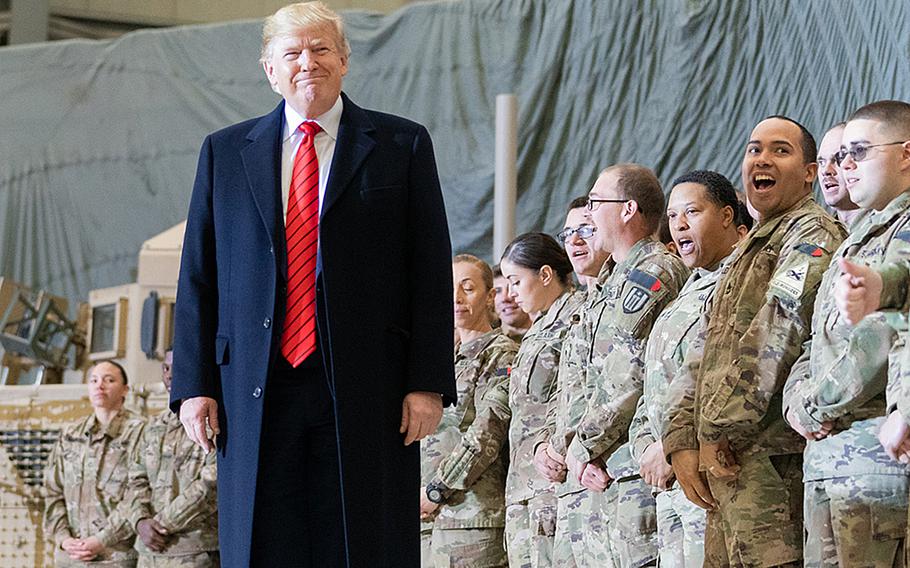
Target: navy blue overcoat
(384,287)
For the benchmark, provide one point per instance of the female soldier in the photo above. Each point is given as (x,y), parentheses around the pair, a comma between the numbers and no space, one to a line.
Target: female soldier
(463,464)
(540,279)
(85,511)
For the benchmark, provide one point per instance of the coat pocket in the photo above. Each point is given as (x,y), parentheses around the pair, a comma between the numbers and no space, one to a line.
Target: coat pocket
(221,350)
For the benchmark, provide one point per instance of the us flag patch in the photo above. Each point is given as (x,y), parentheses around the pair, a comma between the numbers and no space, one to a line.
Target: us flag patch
(810,249)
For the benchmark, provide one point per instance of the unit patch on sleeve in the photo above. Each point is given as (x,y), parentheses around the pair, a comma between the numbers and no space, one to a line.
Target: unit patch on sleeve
(792,280)
(637,296)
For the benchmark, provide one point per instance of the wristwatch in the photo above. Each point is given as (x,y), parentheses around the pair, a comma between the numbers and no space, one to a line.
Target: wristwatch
(437,492)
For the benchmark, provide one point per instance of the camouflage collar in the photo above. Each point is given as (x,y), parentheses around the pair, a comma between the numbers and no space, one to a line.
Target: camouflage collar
(765,228)
(605,271)
(95,430)
(552,314)
(875,220)
(640,249)
(473,348)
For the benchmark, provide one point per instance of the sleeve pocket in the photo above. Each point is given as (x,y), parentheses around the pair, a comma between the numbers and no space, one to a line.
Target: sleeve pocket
(221,350)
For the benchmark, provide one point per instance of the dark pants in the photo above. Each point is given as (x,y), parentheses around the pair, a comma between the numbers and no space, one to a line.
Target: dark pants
(297,520)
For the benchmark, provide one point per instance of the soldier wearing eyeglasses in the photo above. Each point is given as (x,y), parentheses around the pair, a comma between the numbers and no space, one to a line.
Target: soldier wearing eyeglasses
(851,377)
(831,179)
(641,277)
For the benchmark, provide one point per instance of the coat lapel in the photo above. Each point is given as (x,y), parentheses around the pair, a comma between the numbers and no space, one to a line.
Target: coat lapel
(355,142)
(262,164)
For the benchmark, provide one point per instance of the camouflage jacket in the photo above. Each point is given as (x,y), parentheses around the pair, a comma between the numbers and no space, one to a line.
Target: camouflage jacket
(632,295)
(569,397)
(467,452)
(86,482)
(531,389)
(674,330)
(173,481)
(760,315)
(843,371)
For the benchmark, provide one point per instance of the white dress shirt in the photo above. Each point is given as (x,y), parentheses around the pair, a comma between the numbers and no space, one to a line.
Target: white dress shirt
(324,142)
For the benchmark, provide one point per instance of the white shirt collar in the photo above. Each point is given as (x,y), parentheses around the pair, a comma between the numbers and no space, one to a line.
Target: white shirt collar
(329,120)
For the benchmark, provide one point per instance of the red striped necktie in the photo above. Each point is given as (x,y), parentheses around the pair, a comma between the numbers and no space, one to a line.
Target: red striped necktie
(298,340)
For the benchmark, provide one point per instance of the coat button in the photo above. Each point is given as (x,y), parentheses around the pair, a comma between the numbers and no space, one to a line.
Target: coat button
(257,392)
(267,323)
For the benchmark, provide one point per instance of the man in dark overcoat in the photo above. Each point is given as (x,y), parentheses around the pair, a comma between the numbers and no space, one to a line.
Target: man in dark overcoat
(312,364)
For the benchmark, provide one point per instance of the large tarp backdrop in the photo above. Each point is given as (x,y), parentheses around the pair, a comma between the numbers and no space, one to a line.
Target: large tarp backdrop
(99,140)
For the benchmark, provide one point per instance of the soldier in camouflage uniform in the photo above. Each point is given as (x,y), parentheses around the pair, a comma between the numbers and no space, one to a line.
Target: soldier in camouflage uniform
(549,457)
(540,280)
(463,465)
(856,494)
(757,322)
(173,495)
(640,279)
(86,510)
(703,214)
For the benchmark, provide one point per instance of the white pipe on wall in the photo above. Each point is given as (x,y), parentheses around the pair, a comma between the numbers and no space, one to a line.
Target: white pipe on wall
(506,179)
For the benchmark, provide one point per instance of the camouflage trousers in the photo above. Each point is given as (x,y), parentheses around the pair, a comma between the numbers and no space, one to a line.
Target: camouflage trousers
(62,560)
(633,523)
(462,548)
(208,559)
(758,521)
(680,530)
(582,531)
(856,521)
(530,528)
(617,528)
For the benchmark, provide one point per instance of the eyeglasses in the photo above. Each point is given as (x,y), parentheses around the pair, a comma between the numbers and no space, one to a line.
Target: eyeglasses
(584,231)
(591,202)
(860,152)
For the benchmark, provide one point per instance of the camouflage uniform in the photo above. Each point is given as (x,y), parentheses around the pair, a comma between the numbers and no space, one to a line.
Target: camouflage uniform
(467,455)
(631,296)
(680,523)
(577,507)
(757,322)
(174,482)
(530,501)
(855,494)
(86,482)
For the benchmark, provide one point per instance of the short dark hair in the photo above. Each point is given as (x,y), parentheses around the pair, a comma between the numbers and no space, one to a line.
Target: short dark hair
(535,250)
(113,363)
(893,115)
(577,203)
(497,271)
(807,141)
(743,217)
(717,187)
(639,184)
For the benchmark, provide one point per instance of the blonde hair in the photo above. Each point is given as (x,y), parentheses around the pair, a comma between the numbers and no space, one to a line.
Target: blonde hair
(301,15)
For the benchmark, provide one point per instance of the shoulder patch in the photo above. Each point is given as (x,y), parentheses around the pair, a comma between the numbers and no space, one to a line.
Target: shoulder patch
(645,280)
(503,372)
(903,235)
(810,249)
